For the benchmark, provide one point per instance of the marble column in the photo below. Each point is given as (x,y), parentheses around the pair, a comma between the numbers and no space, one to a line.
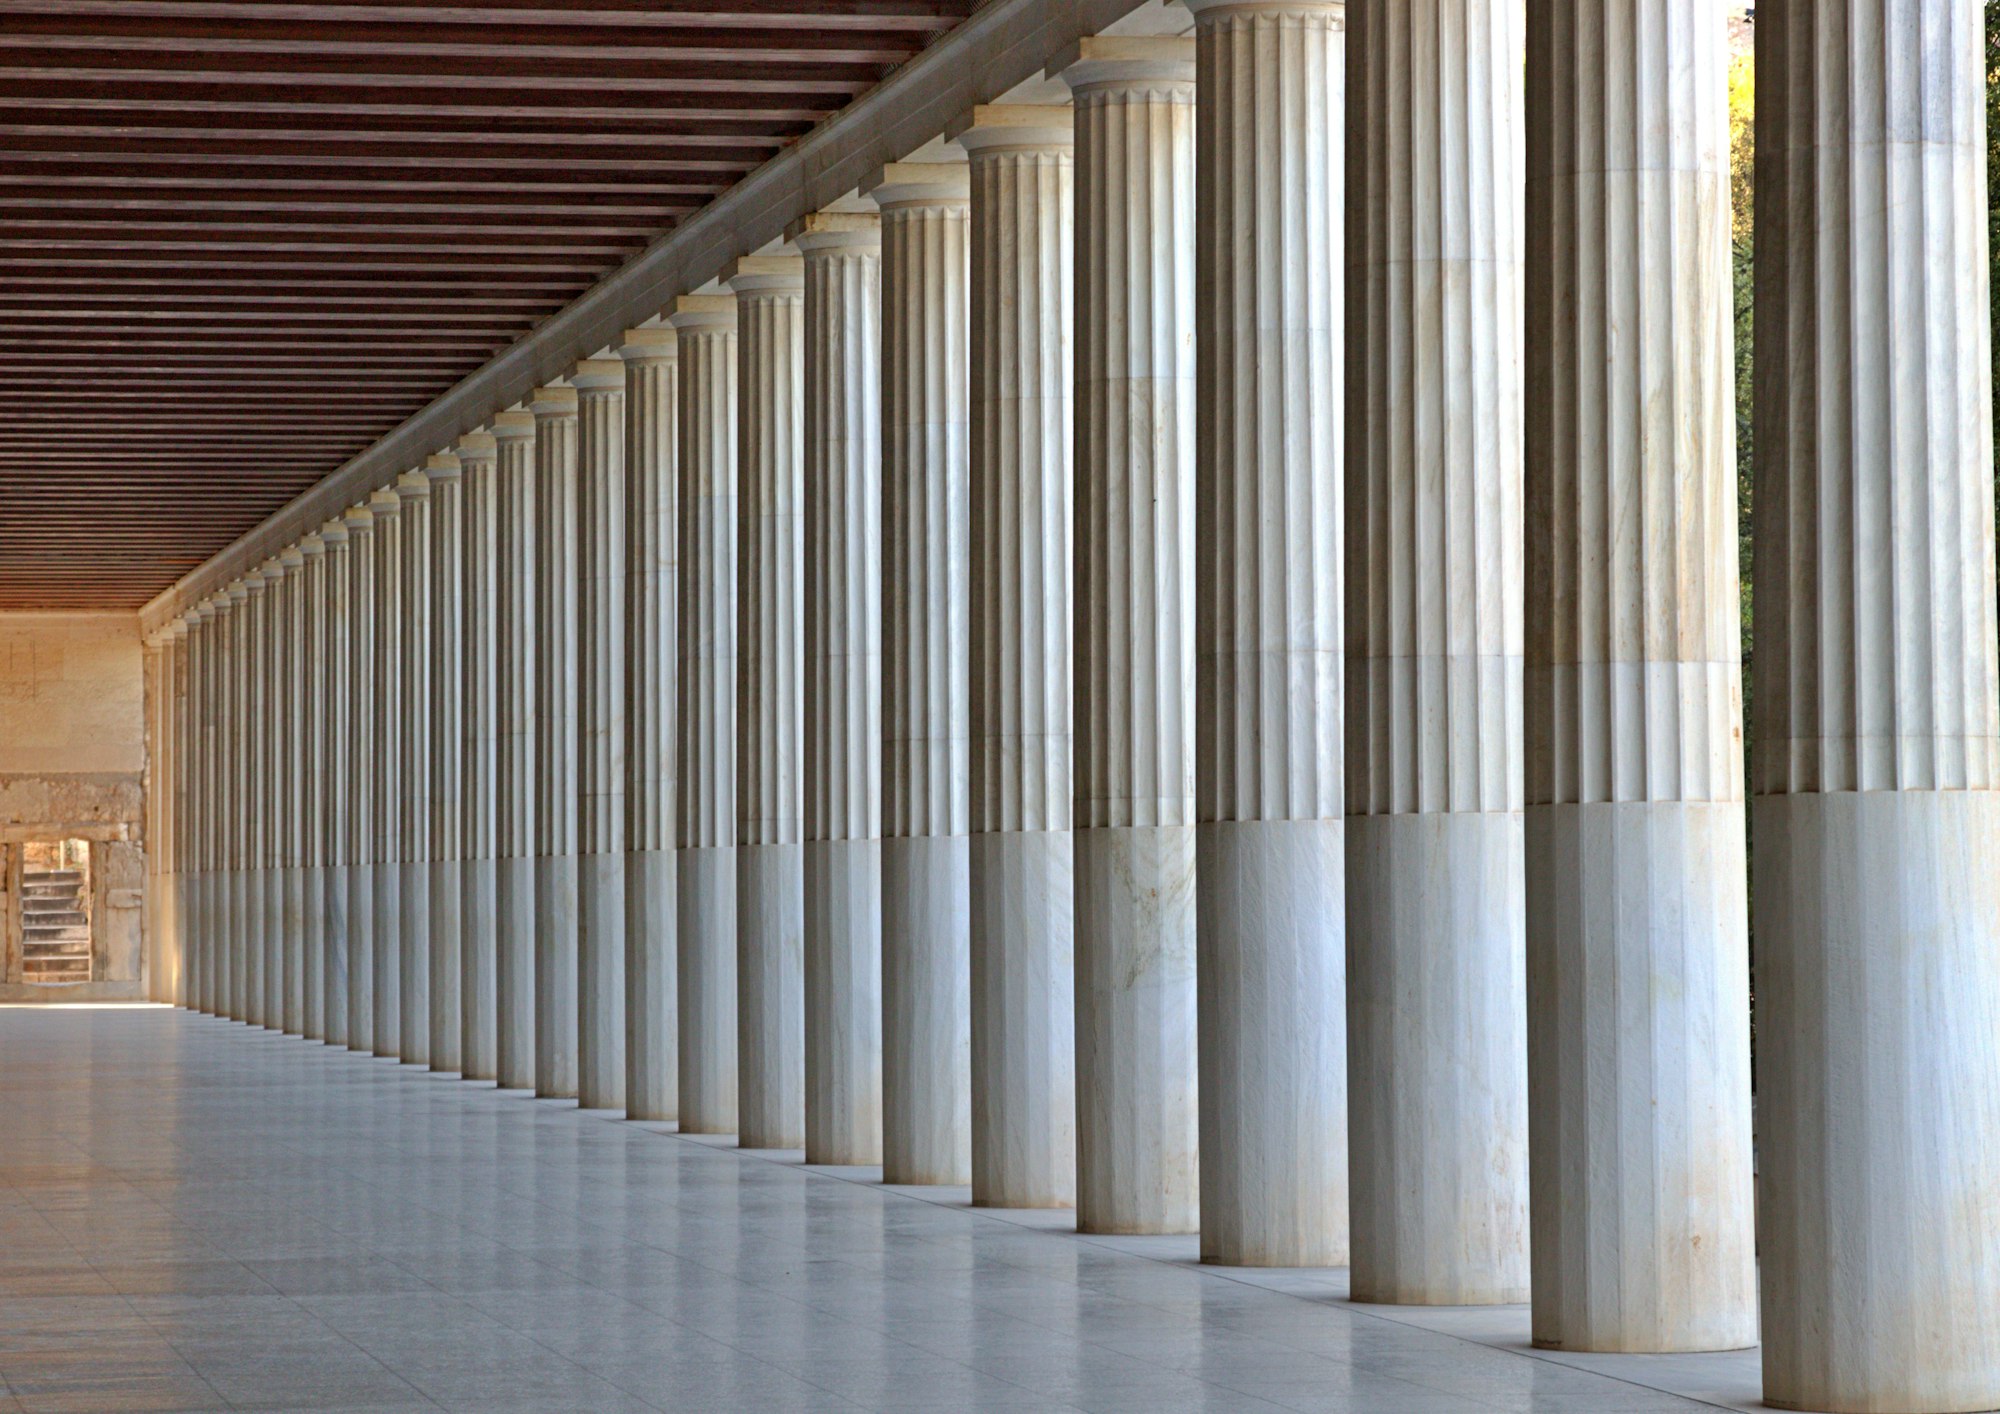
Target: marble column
(444,797)
(652,559)
(1271,941)
(770,859)
(1641,1209)
(413,772)
(195,803)
(705,750)
(362,787)
(1021,855)
(479,760)
(271,725)
(555,409)
(336,777)
(1437,1005)
(254,739)
(1876,748)
(181,948)
(841,750)
(1137,1168)
(515,650)
(926,888)
(157,919)
(309,678)
(238,770)
(391,726)
(290,798)
(600,712)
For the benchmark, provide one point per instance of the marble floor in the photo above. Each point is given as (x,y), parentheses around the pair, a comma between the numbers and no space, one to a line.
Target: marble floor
(198,1215)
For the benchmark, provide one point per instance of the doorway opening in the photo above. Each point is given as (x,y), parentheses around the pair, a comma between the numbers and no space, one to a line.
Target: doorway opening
(55,911)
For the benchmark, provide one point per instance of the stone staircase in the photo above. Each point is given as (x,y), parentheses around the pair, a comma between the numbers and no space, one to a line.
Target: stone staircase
(55,928)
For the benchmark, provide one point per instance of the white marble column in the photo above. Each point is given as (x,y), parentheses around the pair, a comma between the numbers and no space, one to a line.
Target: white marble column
(1876,744)
(926,898)
(770,859)
(388,700)
(254,737)
(515,650)
(290,798)
(1134,469)
(479,761)
(600,711)
(1638,964)
(1271,938)
(362,784)
(274,725)
(841,751)
(413,773)
(309,677)
(705,752)
(444,798)
(1437,1011)
(331,705)
(179,990)
(555,407)
(195,803)
(652,559)
(240,772)
(1021,856)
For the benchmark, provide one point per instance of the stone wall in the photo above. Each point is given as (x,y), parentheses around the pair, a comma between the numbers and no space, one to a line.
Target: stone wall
(72,765)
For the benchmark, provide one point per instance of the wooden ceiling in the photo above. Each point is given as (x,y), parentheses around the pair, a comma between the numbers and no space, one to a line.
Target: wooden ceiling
(241,239)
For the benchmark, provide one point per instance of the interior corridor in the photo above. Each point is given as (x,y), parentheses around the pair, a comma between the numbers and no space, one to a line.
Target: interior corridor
(198,1215)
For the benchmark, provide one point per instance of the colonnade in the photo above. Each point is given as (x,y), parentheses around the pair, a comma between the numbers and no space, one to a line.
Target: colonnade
(1178,653)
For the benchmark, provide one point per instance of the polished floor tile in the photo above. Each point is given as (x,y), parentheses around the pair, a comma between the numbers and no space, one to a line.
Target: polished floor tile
(195,1215)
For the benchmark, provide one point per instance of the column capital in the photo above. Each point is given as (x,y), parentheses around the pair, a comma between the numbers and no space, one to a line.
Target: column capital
(312,543)
(442,466)
(255,581)
(599,377)
(902,185)
(476,449)
(334,532)
(383,502)
(1014,127)
(1106,63)
(652,341)
(236,594)
(835,230)
(553,400)
(754,275)
(697,313)
(291,559)
(413,486)
(1208,11)
(514,425)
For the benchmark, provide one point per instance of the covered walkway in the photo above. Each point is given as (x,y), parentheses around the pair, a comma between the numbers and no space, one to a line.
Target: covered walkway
(198,1215)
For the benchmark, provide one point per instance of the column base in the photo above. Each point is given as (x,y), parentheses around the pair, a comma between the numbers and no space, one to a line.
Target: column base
(361,957)
(600,981)
(770,996)
(514,971)
(413,962)
(926,1011)
(333,953)
(843,1002)
(447,911)
(387,904)
(705,932)
(555,976)
(478,967)
(652,987)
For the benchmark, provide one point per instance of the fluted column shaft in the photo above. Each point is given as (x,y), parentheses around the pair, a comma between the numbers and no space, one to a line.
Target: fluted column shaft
(555,410)
(1271,939)
(290,798)
(276,725)
(179,989)
(362,780)
(1436,1006)
(240,772)
(390,702)
(336,795)
(517,648)
(652,560)
(842,748)
(443,798)
(479,766)
(1875,810)
(600,709)
(770,860)
(254,733)
(1638,966)
(1137,1164)
(1021,868)
(196,810)
(926,887)
(705,749)
(309,675)
(413,774)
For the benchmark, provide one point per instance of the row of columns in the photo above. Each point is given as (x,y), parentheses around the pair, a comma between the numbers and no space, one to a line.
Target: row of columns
(1179,655)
